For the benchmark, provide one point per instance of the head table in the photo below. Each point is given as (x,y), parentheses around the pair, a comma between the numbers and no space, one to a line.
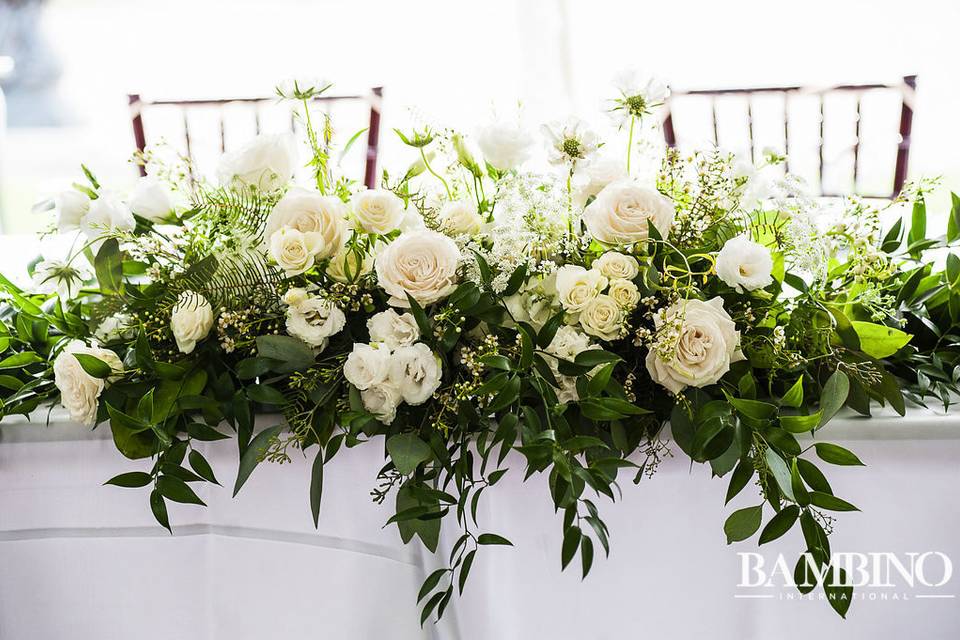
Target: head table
(79,560)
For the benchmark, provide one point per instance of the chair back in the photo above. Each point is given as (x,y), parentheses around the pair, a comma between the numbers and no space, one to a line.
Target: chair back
(253,115)
(853,125)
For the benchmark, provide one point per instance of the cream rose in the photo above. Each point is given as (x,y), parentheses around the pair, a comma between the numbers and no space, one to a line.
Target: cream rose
(505,146)
(614,264)
(577,286)
(422,264)
(625,293)
(377,210)
(367,366)
(393,329)
(744,264)
(311,318)
(150,199)
(415,370)
(294,251)
(696,347)
(311,213)
(190,320)
(382,401)
(71,207)
(267,162)
(79,391)
(623,210)
(602,317)
(460,218)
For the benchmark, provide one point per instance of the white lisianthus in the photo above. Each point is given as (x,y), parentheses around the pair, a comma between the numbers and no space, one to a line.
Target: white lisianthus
(415,370)
(349,265)
(625,293)
(614,264)
(460,218)
(294,251)
(367,366)
(603,317)
(267,162)
(536,302)
(106,214)
(422,264)
(744,264)
(71,206)
(568,343)
(577,286)
(150,199)
(311,318)
(624,209)
(79,391)
(309,212)
(393,329)
(377,210)
(505,146)
(190,320)
(590,180)
(570,142)
(698,343)
(382,401)
(56,276)
(113,327)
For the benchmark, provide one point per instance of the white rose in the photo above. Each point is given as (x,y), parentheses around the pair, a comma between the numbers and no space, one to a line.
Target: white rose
(708,342)
(393,329)
(422,264)
(71,206)
(416,372)
(577,286)
(460,218)
(309,212)
(150,199)
(505,146)
(294,251)
(267,162)
(625,293)
(107,213)
(614,264)
(377,210)
(314,319)
(190,320)
(591,179)
(382,401)
(602,317)
(349,265)
(568,343)
(79,391)
(744,264)
(622,211)
(367,366)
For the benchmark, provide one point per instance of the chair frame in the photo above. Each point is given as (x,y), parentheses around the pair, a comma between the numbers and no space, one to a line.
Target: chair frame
(138,104)
(907,89)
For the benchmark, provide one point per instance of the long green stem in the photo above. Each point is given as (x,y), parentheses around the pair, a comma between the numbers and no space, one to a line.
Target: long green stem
(633,121)
(426,163)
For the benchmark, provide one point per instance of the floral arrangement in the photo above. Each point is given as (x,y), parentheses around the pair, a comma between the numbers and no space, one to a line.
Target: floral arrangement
(472,308)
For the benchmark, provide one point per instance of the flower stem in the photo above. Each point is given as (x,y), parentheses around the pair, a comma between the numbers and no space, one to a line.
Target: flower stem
(633,120)
(426,163)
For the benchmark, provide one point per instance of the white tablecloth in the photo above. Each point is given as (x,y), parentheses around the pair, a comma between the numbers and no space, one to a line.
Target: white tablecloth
(82,561)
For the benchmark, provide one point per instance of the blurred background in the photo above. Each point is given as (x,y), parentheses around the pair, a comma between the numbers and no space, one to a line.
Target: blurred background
(67,66)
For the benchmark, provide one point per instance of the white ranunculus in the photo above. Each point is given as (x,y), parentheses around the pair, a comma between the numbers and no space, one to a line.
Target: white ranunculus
(152,200)
(568,343)
(393,329)
(311,318)
(602,317)
(744,264)
(590,180)
(309,212)
(377,210)
(71,206)
(349,265)
(701,354)
(505,146)
(623,210)
(415,370)
(294,251)
(107,213)
(625,293)
(56,276)
(79,391)
(190,320)
(577,286)
(422,264)
(267,162)
(367,366)
(614,264)
(382,401)
(460,218)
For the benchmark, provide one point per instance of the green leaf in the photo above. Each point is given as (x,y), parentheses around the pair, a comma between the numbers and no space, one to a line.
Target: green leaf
(586,555)
(94,366)
(432,581)
(253,453)
(571,542)
(793,397)
(549,330)
(813,476)
(109,266)
(199,464)
(953,222)
(20,360)
(465,569)
(266,394)
(781,473)
(132,479)
(159,509)
(420,316)
(800,424)
(739,479)
(879,341)
(780,523)
(593,357)
(175,489)
(316,488)
(407,451)
(828,501)
(839,593)
(835,454)
(743,523)
(294,354)
(918,221)
(204,433)
(492,538)
(834,395)
(753,408)
(516,280)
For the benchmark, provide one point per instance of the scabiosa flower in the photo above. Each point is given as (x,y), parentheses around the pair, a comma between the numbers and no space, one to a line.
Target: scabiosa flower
(570,142)
(56,276)
(639,94)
